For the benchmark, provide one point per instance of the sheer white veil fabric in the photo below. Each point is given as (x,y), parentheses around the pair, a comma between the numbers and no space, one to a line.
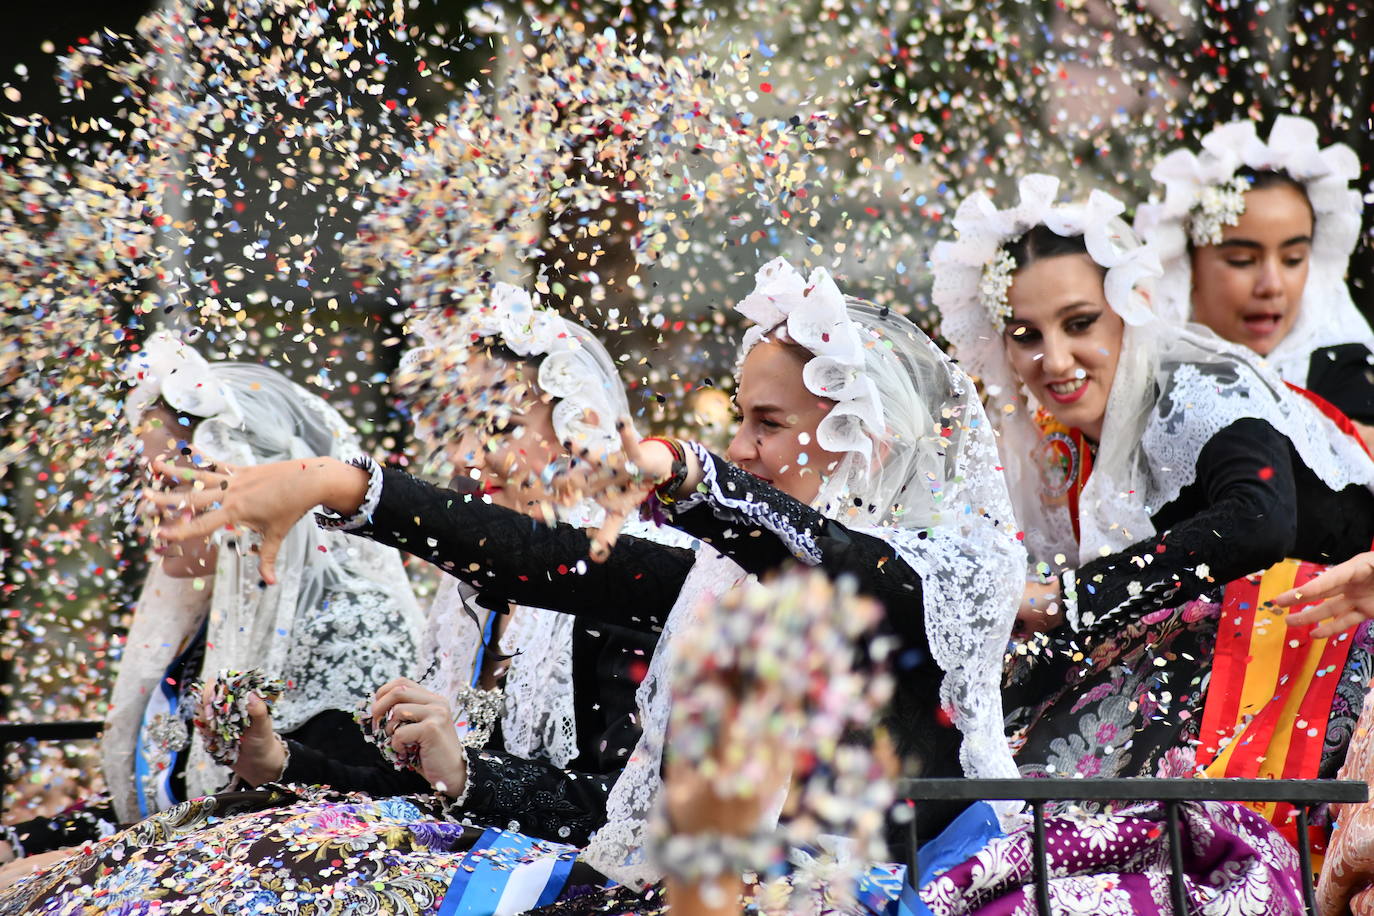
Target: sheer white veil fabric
(341,620)
(540,715)
(919,471)
(1327,315)
(1175,387)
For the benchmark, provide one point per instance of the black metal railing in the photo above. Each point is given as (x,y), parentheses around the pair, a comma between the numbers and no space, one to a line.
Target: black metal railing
(1302,794)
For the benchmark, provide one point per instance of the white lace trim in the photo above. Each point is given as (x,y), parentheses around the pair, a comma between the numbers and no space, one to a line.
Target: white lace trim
(801,544)
(371,499)
(979,566)
(617,849)
(1196,406)
(541,717)
(1068,593)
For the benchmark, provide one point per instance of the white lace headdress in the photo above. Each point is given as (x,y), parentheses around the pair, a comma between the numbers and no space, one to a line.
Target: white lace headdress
(341,621)
(1174,388)
(919,469)
(574,368)
(1202,192)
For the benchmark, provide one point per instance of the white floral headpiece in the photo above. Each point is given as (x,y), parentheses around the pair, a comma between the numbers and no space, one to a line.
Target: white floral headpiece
(963,267)
(1202,193)
(811,313)
(169,368)
(568,371)
(1218,206)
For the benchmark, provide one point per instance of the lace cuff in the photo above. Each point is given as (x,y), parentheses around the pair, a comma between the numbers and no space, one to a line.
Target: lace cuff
(737,496)
(328,518)
(453,806)
(1068,593)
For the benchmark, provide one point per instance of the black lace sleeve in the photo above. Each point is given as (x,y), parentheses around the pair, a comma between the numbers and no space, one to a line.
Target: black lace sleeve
(761,528)
(1344,375)
(1239,516)
(535,797)
(512,557)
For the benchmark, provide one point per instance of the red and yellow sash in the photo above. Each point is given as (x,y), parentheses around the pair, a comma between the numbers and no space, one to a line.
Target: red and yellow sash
(1270,695)
(1271,689)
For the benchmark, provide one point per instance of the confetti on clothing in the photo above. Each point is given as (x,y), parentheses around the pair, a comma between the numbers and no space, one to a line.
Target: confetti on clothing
(325,854)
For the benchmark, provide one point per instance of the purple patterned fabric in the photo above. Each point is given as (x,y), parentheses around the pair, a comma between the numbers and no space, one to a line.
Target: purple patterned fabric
(1234,861)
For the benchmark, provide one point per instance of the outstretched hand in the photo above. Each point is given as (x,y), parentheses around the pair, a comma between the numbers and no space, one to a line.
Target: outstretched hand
(618,481)
(1341,597)
(268,499)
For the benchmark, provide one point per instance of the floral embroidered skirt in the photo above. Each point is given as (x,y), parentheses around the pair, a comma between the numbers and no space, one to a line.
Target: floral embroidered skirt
(1234,862)
(307,852)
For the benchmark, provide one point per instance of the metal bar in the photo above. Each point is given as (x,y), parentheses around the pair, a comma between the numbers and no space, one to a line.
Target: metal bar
(75,730)
(1176,888)
(1294,791)
(1040,853)
(913,861)
(1309,893)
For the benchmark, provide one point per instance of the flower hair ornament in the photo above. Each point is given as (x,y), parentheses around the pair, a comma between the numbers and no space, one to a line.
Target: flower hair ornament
(170,369)
(574,370)
(1203,194)
(811,313)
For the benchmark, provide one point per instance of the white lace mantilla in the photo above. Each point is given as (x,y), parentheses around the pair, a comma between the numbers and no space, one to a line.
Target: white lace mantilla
(1200,401)
(617,849)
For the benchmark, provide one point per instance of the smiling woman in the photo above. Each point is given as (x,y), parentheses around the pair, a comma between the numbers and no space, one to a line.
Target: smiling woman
(774,413)
(1063,337)
(1155,465)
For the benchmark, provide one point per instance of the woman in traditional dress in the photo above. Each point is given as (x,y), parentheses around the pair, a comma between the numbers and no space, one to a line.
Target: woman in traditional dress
(1255,240)
(342,620)
(529,692)
(853,411)
(1154,466)
(460,703)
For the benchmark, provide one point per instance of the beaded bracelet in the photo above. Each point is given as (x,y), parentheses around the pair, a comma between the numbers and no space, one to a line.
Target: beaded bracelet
(665,490)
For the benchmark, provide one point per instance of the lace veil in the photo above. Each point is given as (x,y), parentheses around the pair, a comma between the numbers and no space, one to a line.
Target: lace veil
(1328,315)
(341,621)
(1175,387)
(920,471)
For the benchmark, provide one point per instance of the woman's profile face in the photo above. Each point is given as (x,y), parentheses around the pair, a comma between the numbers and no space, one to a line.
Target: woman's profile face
(162,436)
(509,439)
(1248,289)
(776,439)
(1063,340)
